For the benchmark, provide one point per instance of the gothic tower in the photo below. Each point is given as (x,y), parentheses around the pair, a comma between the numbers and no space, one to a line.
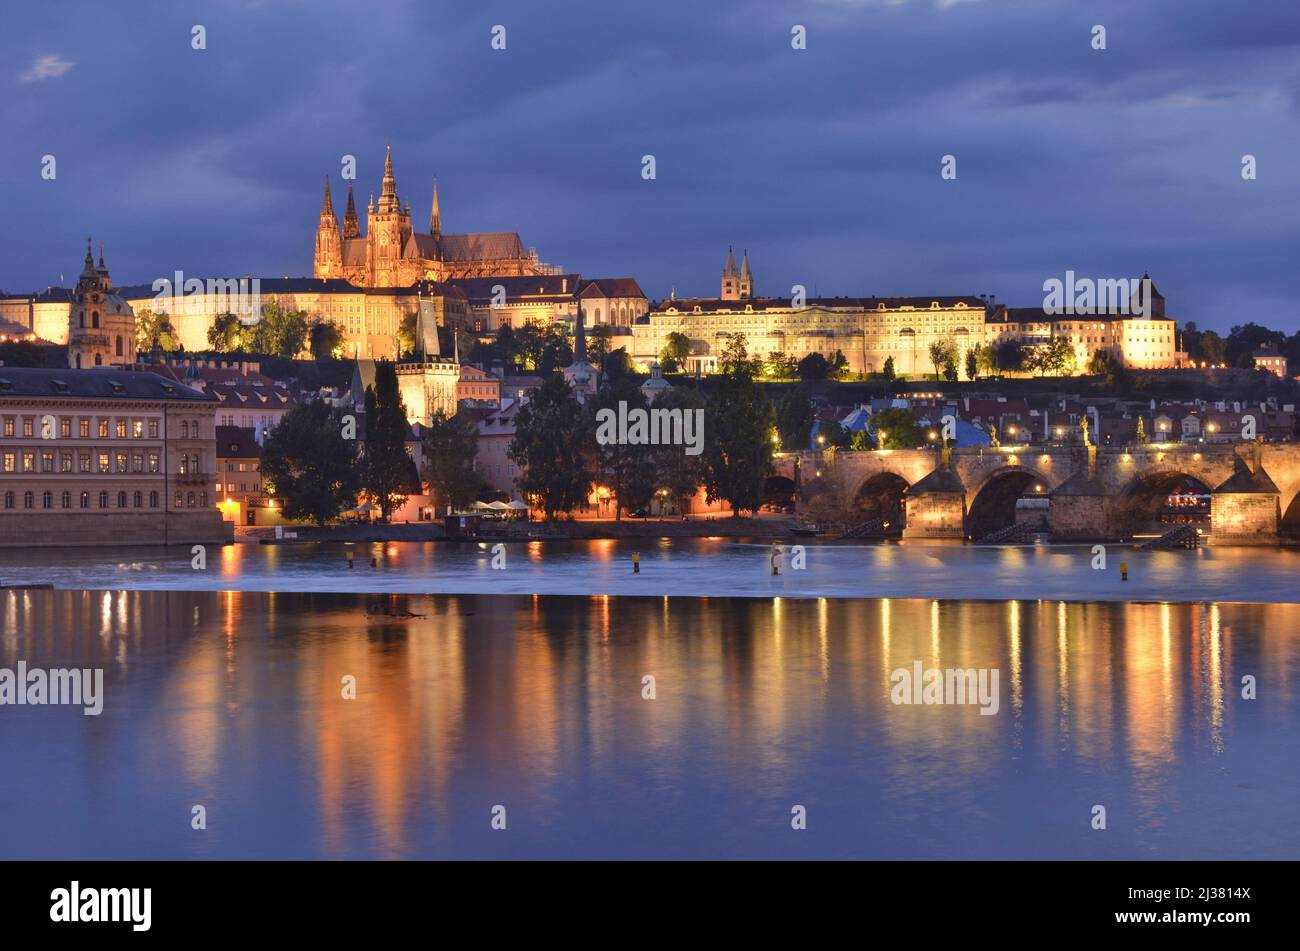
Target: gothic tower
(386,231)
(730,281)
(329,250)
(351,227)
(746,279)
(435,214)
(101,329)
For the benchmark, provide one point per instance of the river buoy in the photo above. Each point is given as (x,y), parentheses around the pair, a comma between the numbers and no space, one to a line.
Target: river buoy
(1123,571)
(636,562)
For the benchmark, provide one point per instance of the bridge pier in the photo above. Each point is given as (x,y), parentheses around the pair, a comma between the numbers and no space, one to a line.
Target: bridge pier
(936,507)
(1245,509)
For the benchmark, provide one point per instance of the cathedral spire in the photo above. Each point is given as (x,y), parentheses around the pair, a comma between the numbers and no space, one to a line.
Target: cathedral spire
(351,229)
(90,257)
(744,267)
(435,215)
(327,205)
(388,194)
(730,269)
(580,339)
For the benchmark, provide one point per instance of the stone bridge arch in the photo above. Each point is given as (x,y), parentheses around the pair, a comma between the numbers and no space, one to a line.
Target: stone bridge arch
(991,504)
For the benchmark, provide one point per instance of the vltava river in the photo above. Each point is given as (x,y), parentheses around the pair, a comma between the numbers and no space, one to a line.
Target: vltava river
(703,567)
(233,701)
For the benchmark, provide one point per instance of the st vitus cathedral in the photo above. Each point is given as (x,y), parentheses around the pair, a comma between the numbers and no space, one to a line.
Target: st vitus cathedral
(391,254)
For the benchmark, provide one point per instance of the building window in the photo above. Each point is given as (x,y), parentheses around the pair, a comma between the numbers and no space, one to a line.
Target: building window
(65,462)
(29,500)
(103,429)
(47,461)
(178,501)
(9,500)
(138,498)
(47,500)
(9,462)
(67,500)
(189,501)
(103,500)
(9,425)
(121,461)
(137,429)
(85,500)
(185,428)
(83,428)
(153,461)
(153,429)
(203,500)
(103,462)
(121,500)
(137,462)
(29,462)
(121,429)
(65,428)
(153,500)
(28,426)
(83,462)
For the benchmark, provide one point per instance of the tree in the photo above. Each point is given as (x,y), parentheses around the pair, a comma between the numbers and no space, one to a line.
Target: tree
(888,371)
(972,361)
(679,474)
(794,419)
(950,366)
(325,339)
(279,332)
(838,366)
(677,347)
(899,429)
(738,448)
(1009,355)
(1110,368)
(225,333)
(386,466)
(309,466)
(554,448)
(1245,339)
(780,366)
(735,356)
(450,448)
(1053,358)
(941,352)
(598,340)
(154,332)
(627,470)
(617,365)
(406,330)
(814,367)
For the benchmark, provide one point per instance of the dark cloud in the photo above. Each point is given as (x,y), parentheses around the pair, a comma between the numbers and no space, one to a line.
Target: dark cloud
(824,163)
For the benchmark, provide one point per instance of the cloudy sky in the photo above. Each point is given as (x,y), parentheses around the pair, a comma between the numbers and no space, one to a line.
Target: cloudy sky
(824,163)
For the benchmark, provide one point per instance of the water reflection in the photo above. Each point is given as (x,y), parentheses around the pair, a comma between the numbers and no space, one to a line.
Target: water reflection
(235,700)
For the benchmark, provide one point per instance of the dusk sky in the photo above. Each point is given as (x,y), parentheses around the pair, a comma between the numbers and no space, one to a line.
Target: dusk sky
(824,163)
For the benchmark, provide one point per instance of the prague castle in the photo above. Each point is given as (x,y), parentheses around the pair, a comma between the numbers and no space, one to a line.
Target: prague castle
(869,331)
(391,254)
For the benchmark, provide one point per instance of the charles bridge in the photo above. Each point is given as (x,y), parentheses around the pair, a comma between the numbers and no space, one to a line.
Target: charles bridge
(1091,493)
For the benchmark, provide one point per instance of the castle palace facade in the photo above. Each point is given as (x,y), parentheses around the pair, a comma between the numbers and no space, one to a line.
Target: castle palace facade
(392,254)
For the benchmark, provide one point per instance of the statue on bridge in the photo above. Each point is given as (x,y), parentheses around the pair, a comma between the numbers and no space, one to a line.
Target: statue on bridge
(1084,425)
